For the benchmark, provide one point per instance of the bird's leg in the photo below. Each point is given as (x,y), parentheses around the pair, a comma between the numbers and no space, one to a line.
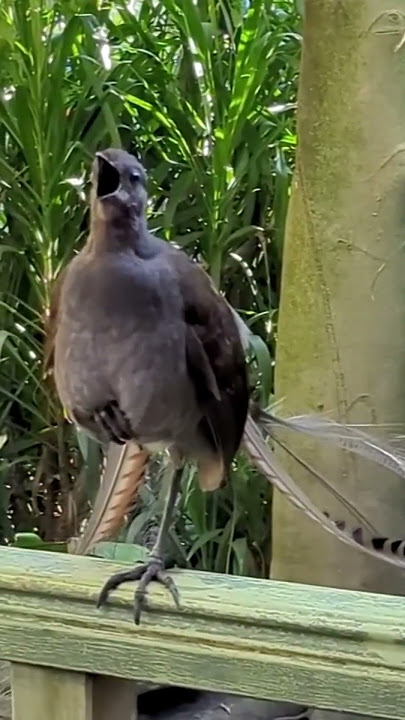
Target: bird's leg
(154,567)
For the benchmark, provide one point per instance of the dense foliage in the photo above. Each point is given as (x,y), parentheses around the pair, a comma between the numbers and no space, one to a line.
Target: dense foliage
(204,94)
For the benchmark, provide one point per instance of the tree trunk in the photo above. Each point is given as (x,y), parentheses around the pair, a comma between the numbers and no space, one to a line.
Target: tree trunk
(341,343)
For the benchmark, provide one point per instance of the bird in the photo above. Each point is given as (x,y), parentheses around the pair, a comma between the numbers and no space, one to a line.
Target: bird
(147,355)
(145,350)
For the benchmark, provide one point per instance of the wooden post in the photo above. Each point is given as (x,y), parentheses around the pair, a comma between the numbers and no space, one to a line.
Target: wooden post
(42,693)
(46,694)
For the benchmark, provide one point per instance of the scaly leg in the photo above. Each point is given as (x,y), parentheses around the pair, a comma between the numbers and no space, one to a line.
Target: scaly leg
(154,568)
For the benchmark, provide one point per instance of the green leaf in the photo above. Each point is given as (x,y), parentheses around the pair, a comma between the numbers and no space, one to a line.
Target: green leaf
(204,539)
(263,360)
(3,337)
(241,551)
(120,552)
(179,190)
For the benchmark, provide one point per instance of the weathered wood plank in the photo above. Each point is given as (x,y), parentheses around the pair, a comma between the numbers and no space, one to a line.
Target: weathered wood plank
(44,693)
(47,694)
(318,646)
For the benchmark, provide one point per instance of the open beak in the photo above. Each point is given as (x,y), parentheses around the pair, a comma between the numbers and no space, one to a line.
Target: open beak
(108,178)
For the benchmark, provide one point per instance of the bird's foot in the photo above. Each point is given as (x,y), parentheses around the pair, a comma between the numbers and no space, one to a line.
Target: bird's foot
(153,569)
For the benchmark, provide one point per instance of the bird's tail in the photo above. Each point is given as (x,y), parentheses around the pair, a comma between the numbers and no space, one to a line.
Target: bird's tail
(347,437)
(380,543)
(123,474)
(344,436)
(364,537)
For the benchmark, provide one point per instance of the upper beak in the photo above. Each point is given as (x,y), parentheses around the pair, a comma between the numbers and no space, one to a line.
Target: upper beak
(108,177)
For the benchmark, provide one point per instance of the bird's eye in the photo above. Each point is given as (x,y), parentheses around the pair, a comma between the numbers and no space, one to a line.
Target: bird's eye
(134,176)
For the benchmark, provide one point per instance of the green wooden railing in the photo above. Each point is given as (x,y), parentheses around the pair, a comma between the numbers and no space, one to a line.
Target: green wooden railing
(320,647)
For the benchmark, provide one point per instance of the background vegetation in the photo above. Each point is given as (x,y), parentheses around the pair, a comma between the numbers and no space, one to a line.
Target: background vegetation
(204,94)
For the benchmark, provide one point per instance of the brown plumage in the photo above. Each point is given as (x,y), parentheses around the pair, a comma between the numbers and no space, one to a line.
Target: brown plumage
(144,349)
(122,477)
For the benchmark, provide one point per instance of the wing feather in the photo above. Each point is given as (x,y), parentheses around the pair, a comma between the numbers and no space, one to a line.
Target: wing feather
(215,357)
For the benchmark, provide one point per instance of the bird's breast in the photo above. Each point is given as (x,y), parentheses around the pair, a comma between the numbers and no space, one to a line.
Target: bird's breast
(121,336)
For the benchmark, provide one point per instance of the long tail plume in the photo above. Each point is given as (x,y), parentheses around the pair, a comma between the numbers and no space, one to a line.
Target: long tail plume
(264,459)
(346,437)
(329,487)
(123,474)
(380,543)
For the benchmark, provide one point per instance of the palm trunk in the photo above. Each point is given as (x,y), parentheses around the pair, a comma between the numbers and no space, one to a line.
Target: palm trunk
(341,344)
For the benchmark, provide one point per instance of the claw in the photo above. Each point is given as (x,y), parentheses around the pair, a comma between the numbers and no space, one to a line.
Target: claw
(146,572)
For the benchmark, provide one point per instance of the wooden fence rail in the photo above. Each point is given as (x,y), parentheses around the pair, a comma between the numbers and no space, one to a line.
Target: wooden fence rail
(320,647)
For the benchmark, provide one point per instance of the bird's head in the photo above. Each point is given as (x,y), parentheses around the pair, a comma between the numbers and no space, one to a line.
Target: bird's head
(118,186)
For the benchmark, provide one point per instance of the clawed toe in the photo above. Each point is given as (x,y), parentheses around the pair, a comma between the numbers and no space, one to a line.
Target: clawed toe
(153,571)
(118,579)
(145,573)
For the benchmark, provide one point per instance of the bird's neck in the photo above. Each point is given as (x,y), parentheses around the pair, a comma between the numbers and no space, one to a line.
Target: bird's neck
(117,235)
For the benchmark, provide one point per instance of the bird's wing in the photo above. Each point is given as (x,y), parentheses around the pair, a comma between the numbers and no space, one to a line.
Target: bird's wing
(215,357)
